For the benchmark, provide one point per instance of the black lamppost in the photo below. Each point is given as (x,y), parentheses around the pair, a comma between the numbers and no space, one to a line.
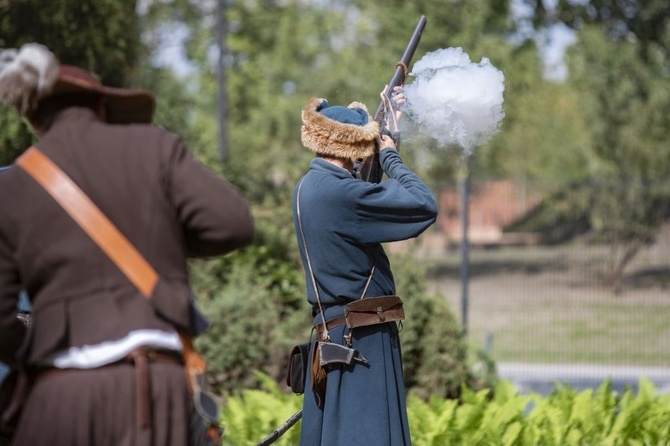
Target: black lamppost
(464,186)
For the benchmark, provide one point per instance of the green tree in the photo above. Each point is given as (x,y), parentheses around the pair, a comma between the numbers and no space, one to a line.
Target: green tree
(101,36)
(617,92)
(627,102)
(647,20)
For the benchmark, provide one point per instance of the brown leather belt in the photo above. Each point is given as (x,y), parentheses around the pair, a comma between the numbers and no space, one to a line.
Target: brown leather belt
(368,311)
(141,357)
(335,322)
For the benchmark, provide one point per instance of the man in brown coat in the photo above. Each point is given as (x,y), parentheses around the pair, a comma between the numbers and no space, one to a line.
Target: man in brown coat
(87,316)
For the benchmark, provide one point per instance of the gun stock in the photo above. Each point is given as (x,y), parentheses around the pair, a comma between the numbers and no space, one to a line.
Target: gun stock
(369,168)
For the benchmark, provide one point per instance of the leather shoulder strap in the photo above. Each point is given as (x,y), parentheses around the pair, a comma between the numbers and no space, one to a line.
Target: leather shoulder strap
(91,219)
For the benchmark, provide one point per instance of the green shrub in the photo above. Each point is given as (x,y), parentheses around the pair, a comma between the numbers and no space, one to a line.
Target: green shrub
(255,301)
(566,417)
(434,351)
(249,416)
(248,332)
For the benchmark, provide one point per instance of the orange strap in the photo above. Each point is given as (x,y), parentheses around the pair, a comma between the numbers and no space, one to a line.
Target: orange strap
(90,218)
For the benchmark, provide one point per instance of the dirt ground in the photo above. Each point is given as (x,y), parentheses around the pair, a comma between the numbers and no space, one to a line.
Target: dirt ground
(547,304)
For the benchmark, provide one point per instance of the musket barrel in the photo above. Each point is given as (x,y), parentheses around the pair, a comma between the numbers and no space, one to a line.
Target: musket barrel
(399,74)
(368,169)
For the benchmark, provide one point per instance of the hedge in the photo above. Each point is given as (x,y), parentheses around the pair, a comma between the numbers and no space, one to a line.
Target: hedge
(502,416)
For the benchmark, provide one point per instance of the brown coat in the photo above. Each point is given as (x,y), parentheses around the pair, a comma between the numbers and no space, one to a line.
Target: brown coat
(147,182)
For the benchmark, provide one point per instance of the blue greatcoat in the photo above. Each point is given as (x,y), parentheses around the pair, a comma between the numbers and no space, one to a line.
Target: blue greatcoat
(344,221)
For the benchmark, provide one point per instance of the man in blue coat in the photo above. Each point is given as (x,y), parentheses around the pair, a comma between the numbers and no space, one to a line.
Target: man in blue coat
(341,222)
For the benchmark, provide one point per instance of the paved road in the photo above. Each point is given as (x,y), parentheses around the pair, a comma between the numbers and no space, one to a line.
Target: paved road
(540,378)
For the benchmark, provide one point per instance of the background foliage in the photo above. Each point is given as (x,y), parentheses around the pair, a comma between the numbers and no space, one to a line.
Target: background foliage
(596,142)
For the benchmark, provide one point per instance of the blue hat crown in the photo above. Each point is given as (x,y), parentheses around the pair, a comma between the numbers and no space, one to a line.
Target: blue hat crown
(345,115)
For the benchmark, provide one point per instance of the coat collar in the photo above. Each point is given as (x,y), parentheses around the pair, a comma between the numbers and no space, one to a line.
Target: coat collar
(322,166)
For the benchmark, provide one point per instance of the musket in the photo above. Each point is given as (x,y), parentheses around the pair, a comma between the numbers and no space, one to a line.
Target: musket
(274,436)
(369,169)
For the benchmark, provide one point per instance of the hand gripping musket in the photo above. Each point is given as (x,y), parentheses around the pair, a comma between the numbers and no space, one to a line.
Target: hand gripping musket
(369,169)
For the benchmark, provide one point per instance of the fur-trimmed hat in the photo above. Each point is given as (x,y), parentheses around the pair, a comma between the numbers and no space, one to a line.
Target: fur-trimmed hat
(343,132)
(33,74)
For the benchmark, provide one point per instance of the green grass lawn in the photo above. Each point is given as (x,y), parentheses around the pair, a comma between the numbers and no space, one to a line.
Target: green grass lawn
(547,304)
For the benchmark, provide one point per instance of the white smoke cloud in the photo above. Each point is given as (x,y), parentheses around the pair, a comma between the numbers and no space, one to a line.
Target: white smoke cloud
(454,100)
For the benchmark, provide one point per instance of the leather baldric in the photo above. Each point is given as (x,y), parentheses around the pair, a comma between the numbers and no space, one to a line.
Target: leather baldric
(90,218)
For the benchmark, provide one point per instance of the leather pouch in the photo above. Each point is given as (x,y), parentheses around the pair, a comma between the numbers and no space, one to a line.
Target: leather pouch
(373,310)
(297,368)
